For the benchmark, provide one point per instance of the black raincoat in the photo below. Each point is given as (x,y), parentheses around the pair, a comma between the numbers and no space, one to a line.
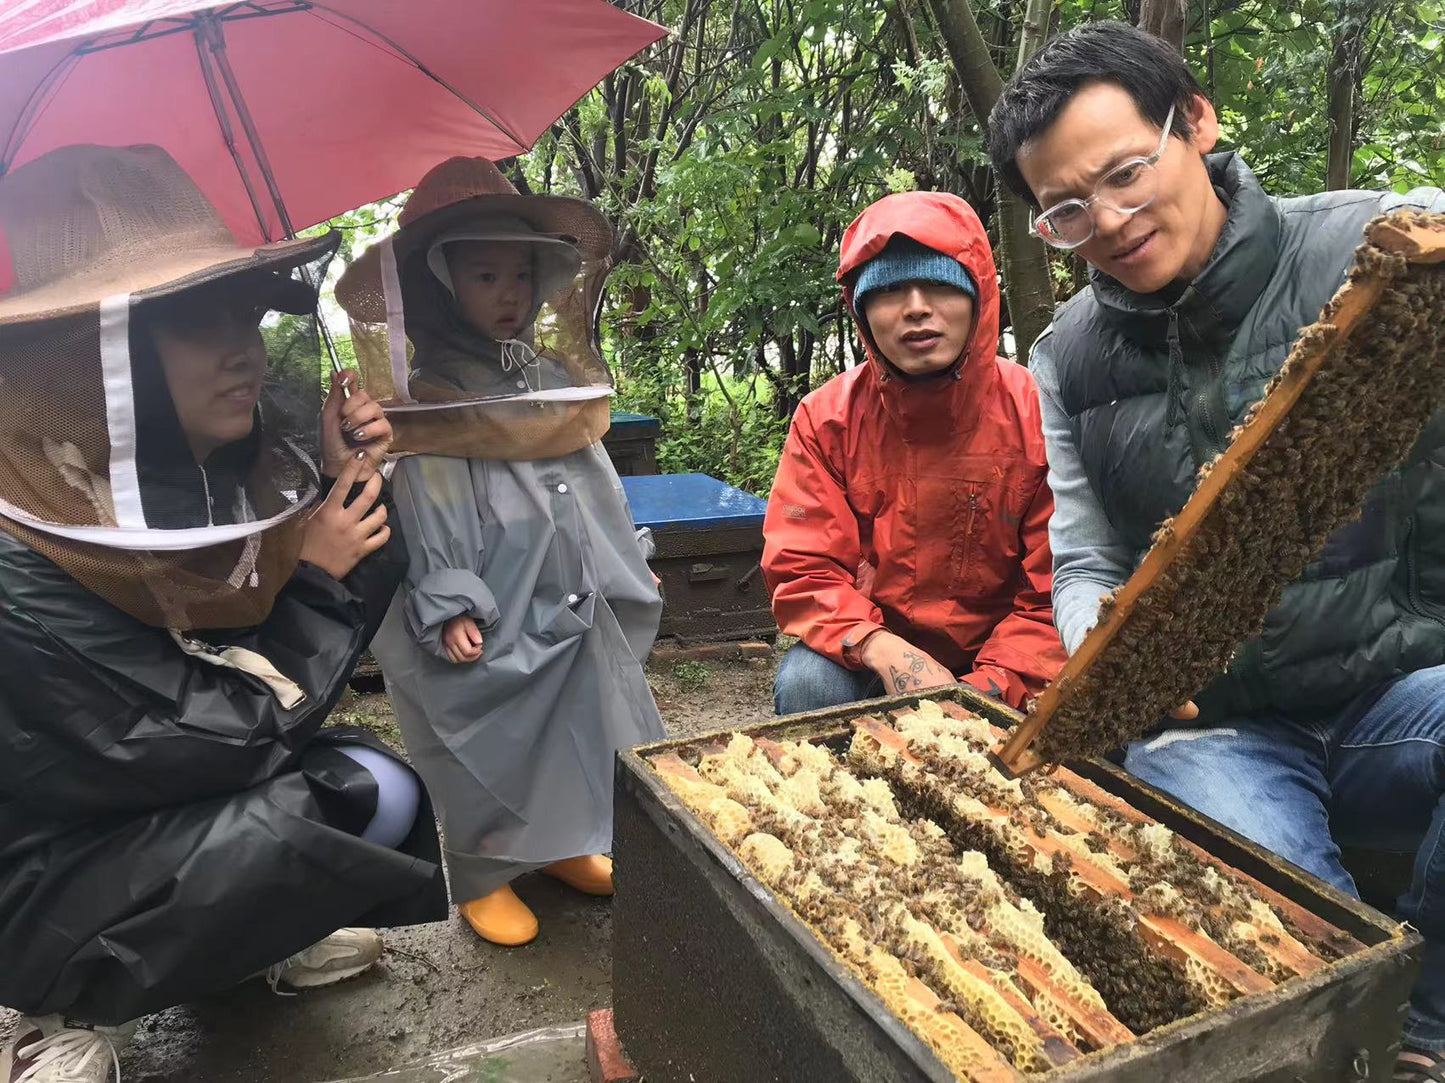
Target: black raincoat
(167,829)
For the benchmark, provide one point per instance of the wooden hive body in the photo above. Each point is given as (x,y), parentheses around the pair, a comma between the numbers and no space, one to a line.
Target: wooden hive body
(732,960)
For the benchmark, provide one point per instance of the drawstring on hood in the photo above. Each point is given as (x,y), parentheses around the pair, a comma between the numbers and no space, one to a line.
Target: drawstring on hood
(519,357)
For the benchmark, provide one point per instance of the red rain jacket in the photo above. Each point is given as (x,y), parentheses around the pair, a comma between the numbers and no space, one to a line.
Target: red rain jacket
(922,508)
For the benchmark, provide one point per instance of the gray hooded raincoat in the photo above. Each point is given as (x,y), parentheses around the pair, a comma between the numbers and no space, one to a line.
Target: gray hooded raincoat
(517,748)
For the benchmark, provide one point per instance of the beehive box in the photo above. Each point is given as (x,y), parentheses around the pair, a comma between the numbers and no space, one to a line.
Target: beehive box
(631,443)
(718,976)
(709,543)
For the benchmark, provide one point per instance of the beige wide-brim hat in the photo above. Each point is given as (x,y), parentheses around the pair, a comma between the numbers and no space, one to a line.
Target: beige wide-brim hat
(84,223)
(454,194)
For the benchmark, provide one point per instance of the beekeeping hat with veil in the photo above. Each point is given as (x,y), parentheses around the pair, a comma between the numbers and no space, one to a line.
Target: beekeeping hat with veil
(450,389)
(101,245)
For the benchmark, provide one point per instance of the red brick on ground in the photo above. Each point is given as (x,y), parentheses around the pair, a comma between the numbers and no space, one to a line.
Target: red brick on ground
(669,653)
(606,1063)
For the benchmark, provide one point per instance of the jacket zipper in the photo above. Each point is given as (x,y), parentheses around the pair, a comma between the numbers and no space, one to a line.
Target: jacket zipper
(1413,601)
(968,532)
(1205,419)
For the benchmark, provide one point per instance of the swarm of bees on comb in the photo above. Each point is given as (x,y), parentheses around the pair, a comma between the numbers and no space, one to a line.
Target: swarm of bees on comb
(1351,399)
(1015,926)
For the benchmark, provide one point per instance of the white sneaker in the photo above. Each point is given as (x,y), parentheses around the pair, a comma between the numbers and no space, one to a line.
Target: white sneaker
(45,1050)
(341,956)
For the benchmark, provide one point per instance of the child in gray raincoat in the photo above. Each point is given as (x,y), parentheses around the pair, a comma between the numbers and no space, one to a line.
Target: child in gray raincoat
(513,651)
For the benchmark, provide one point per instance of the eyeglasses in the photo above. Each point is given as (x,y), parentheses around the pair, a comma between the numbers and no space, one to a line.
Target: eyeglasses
(1127,188)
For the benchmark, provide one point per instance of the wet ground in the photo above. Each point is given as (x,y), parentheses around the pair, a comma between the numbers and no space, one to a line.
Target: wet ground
(438,986)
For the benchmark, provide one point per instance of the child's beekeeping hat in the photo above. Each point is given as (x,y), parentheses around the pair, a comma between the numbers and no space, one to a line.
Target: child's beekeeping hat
(396,297)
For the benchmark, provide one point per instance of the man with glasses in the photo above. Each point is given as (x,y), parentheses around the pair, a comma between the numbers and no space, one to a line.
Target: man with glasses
(1329,727)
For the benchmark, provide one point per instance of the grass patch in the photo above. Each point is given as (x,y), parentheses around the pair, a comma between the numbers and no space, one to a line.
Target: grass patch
(371,713)
(691,675)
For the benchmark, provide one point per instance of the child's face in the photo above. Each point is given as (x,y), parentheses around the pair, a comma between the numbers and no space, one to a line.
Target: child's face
(922,327)
(492,282)
(214,360)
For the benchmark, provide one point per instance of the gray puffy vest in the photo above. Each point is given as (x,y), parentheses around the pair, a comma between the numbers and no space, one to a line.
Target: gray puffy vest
(1154,389)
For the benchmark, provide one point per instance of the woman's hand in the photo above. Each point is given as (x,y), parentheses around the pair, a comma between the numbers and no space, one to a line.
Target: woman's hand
(462,639)
(352,426)
(338,535)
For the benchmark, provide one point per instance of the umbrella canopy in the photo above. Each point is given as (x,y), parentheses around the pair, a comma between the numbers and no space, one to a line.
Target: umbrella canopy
(288,112)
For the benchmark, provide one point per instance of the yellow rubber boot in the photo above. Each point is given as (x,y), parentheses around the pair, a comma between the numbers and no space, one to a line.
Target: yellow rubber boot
(591,875)
(501,917)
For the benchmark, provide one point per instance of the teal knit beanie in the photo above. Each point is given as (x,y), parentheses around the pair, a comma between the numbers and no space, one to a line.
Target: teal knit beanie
(905,260)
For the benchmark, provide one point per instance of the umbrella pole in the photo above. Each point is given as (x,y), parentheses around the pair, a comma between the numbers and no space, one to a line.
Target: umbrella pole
(216,43)
(215,39)
(228,135)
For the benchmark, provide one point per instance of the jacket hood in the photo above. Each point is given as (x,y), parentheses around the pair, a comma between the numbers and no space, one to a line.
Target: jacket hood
(947,224)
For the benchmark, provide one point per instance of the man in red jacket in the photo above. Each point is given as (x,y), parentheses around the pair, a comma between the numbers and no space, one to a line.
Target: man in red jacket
(906,540)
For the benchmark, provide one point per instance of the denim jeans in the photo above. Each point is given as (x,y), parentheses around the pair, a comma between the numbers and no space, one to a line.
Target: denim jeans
(807,681)
(1370,776)
(398,796)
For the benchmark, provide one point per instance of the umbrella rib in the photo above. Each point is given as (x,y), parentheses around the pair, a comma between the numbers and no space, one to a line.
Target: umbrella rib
(147,31)
(34,105)
(216,43)
(400,52)
(141,32)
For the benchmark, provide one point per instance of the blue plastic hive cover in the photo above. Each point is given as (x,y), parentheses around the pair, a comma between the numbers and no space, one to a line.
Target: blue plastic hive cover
(634,421)
(690,502)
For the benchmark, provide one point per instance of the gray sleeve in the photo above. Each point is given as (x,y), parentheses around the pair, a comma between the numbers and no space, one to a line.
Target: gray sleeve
(439,515)
(1431,200)
(1090,559)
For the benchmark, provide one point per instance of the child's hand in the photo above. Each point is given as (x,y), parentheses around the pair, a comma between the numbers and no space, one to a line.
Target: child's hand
(462,639)
(352,426)
(338,535)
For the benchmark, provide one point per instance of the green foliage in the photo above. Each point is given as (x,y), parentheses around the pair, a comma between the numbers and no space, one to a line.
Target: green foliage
(1267,68)
(691,676)
(739,442)
(733,158)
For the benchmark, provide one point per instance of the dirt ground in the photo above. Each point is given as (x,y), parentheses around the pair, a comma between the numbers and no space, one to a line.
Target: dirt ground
(438,986)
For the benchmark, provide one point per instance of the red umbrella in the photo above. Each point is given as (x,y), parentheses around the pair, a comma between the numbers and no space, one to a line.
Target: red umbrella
(288,112)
